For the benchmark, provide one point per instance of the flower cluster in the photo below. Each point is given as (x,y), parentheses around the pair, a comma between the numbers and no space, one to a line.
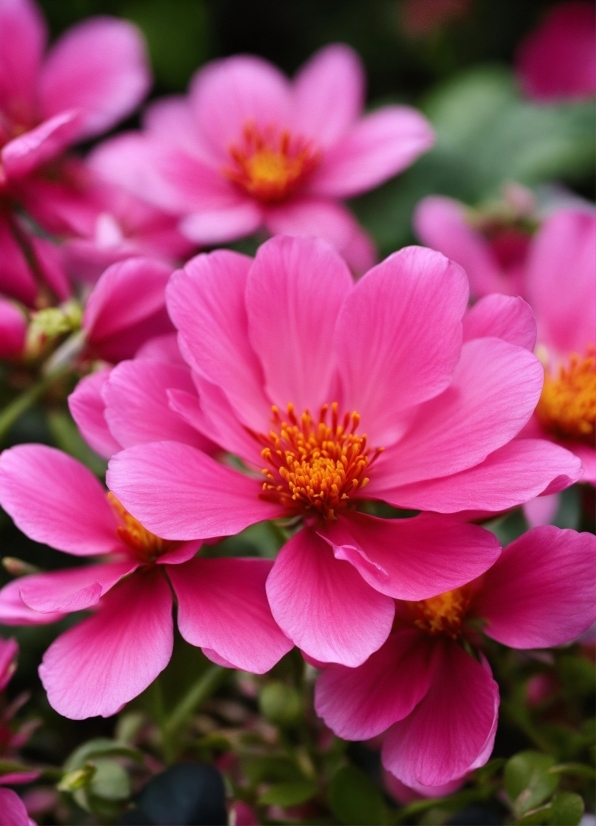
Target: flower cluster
(379,415)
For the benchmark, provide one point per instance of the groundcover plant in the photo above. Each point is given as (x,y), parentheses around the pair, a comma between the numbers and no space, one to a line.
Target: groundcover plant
(298,383)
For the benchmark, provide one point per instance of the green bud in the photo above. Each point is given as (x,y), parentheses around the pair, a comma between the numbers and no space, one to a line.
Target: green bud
(280,703)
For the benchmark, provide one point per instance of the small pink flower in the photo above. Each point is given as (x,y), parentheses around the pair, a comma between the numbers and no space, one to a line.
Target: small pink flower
(248,149)
(111,657)
(338,393)
(437,704)
(557,61)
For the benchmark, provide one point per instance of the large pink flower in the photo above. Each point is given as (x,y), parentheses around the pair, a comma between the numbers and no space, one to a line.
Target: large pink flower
(437,704)
(248,149)
(109,658)
(557,61)
(294,364)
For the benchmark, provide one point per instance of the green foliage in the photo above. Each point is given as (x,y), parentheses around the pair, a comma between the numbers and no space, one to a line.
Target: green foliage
(529,781)
(355,799)
(290,793)
(280,703)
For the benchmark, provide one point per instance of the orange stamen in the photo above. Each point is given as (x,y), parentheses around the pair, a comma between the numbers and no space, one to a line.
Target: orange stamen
(567,406)
(145,546)
(442,614)
(269,165)
(313,465)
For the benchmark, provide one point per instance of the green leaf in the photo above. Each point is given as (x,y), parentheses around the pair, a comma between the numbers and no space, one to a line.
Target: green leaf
(528,782)
(354,799)
(110,781)
(269,769)
(99,747)
(289,794)
(566,810)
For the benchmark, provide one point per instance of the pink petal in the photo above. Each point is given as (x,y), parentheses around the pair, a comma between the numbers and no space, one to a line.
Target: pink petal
(375,149)
(178,492)
(557,61)
(13,327)
(227,94)
(207,304)
(510,476)
(328,94)
(50,265)
(137,408)
(450,728)
(13,610)
(161,348)
(542,510)
(73,589)
(110,658)
(22,42)
(441,224)
(222,605)
(214,417)
(324,605)
(87,407)
(400,328)
(587,456)
(561,278)
(12,810)
(360,253)
(127,307)
(56,500)
(222,224)
(312,217)
(22,155)
(9,650)
(99,66)
(171,119)
(360,703)
(495,389)
(501,316)
(294,292)
(541,592)
(412,558)
(16,278)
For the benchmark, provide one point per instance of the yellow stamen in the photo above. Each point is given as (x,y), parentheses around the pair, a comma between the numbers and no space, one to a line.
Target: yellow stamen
(442,614)
(567,406)
(146,547)
(315,465)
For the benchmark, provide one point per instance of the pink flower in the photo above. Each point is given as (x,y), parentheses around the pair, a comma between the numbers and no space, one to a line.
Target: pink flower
(557,61)
(248,149)
(12,810)
(126,309)
(561,287)
(493,249)
(13,328)
(98,222)
(344,393)
(8,652)
(103,662)
(95,75)
(437,704)
(129,404)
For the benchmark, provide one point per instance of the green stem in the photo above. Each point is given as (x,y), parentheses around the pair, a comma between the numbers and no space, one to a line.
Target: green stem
(208,682)
(26,400)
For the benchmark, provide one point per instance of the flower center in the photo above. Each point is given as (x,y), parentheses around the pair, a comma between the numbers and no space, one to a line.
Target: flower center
(145,546)
(442,614)
(567,406)
(315,465)
(269,165)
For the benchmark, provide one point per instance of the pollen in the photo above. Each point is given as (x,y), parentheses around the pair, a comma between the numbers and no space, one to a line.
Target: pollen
(315,465)
(567,406)
(269,165)
(145,546)
(442,614)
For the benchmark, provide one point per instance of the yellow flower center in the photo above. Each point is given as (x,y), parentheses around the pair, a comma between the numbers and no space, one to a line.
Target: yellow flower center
(442,614)
(567,406)
(315,465)
(145,546)
(269,165)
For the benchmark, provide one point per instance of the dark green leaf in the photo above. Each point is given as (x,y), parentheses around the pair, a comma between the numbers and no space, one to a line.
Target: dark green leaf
(289,794)
(566,810)
(354,799)
(99,747)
